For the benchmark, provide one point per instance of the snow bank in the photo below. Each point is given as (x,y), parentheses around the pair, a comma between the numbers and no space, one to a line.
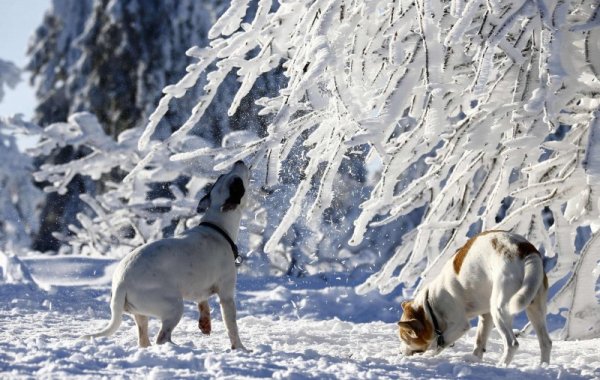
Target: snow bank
(13,271)
(296,328)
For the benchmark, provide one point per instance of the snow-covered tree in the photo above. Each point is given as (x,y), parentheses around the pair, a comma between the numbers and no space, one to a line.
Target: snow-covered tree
(482,114)
(53,52)
(124,215)
(157,199)
(112,58)
(19,198)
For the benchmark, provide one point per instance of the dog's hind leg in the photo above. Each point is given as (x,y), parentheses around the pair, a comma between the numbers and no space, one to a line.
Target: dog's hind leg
(204,320)
(503,321)
(536,312)
(172,313)
(142,324)
(484,326)
(229,317)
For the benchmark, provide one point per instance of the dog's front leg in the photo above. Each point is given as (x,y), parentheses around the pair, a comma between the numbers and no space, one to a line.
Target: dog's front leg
(204,320)
(229,317)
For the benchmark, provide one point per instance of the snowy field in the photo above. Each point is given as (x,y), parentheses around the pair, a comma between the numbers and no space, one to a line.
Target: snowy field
(296,329)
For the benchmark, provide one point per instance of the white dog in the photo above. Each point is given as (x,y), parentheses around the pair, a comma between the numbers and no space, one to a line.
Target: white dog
(495,275)
(153,280)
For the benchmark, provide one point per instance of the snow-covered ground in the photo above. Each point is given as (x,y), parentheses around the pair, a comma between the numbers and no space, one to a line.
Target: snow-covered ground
(296,328)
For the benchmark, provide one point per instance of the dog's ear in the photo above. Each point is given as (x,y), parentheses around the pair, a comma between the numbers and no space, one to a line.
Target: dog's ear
(204,204)
(404,304)
(236,192)
(205,201)
(412,324)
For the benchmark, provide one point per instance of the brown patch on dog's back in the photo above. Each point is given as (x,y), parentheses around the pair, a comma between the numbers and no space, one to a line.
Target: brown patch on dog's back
(461,253)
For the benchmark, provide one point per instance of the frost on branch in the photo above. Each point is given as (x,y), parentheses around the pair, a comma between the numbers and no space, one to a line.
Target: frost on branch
(482,114)
(158,198)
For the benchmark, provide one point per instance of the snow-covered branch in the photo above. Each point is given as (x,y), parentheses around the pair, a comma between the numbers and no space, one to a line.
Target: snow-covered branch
(482,114)
(122,214)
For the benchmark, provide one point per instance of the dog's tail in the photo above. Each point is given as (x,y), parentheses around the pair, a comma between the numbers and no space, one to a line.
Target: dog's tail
(532,280)
(117,305)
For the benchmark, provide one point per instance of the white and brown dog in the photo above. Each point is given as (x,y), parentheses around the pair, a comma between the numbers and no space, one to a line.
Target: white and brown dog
(153,280)
(495,275)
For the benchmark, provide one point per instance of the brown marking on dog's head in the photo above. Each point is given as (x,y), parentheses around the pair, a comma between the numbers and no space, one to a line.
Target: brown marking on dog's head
(414,330)
(525,248)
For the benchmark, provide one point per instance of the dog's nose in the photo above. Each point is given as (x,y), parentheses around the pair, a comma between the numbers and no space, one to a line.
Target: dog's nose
(239,162)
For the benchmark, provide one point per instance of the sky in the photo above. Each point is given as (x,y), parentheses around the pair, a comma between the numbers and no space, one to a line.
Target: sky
(18,21)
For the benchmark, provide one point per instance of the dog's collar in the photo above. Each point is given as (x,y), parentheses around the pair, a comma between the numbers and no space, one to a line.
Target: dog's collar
(436,326)
(236,253)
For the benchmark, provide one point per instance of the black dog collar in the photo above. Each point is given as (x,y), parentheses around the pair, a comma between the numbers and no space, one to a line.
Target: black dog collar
(236,253)
(436,327)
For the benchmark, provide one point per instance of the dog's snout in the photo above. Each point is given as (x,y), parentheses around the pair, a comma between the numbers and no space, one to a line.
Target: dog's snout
(239,162)
(409,352)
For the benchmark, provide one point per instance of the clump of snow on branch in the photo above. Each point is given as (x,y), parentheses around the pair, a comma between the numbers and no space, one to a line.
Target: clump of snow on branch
(483,114)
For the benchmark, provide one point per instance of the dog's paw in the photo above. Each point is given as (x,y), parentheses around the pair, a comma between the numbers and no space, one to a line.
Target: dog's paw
(478,354)
(240,348)
(473,358)
(90,338)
